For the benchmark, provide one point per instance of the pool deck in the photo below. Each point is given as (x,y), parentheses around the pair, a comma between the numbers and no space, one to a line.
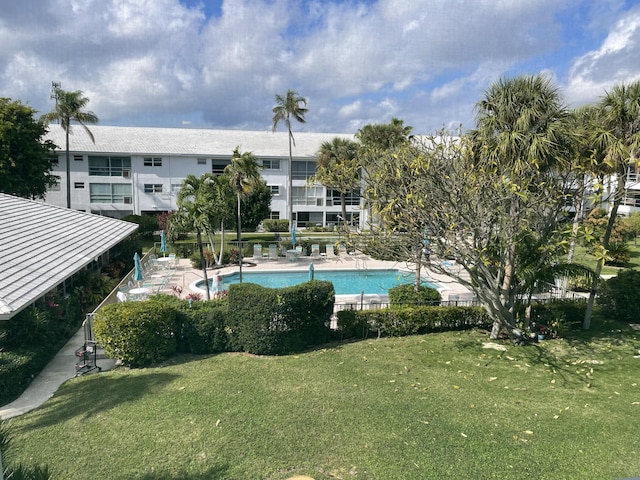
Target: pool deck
(186,276)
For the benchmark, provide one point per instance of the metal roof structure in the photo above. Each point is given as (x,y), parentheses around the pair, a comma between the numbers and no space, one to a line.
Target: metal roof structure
(42,245)
(188,141)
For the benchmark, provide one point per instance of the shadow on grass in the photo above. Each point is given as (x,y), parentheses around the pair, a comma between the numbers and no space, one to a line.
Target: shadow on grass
(212,473)
(95,394)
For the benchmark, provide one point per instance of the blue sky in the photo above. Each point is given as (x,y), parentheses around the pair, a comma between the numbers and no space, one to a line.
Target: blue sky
(219,64)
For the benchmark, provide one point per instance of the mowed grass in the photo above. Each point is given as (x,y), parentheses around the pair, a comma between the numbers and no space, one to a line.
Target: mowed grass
(430,406)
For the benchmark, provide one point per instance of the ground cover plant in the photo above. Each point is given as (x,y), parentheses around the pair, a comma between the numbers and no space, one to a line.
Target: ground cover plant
(427,406)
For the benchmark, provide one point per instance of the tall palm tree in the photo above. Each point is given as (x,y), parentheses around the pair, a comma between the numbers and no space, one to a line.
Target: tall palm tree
(243,173)
(522,135)
(339,169)
(69,108)
(618,140)
(195,201)
(287,106)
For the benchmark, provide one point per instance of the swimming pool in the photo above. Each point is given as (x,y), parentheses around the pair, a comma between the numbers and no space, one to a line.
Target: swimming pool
(345,282)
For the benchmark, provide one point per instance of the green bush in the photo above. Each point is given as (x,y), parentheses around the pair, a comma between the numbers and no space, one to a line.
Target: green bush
(18,367)
(275,225)
(402,295)
(137,333)
(619,296)
(267,321)
(401,321)
(201,327)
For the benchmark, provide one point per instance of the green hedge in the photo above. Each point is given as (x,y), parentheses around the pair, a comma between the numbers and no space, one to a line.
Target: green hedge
(201,327)
(401,321)
(403,295)
(269,321)
(137,333)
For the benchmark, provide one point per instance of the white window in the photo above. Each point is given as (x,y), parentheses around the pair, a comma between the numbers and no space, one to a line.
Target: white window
(78,185)
(152,161)
(110,193)
(307,195)
(152,188)
(78,158)
(275,190)
(202,161)
(271,164)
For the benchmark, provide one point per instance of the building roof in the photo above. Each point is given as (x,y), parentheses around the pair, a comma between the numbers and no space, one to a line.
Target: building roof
(42,245)
(188,141)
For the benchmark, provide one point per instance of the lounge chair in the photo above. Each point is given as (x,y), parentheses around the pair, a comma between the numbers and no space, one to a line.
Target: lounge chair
(257,252)
(273,252)
(315,251)
(331,254)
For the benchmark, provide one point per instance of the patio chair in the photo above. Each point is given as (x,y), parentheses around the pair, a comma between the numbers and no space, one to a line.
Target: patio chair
(315,250)
(331,254)
(257,251)
(273,252)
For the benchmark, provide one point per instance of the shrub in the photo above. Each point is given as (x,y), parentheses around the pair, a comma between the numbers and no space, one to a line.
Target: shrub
(201,327)
(619,295)
(558,314)
(138,333)
(401,321)
(275,225)
(407,295)
(269,321)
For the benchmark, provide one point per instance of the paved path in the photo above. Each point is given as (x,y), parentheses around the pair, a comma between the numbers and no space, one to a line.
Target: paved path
(62,367)
(59,370)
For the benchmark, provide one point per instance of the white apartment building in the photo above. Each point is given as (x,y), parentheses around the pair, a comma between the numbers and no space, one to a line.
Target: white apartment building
(138,170)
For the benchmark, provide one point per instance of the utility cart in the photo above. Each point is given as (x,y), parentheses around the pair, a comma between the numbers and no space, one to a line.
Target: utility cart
(88,352)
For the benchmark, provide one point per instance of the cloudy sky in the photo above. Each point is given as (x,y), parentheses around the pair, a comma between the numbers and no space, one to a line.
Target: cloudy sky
(219,64)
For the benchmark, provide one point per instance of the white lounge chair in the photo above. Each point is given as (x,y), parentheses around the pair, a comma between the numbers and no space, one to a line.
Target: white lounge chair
(273,252)
(315,251)
(257,252)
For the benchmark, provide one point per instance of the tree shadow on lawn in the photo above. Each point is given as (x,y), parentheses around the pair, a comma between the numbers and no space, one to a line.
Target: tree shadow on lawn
(95,394)
(211,473)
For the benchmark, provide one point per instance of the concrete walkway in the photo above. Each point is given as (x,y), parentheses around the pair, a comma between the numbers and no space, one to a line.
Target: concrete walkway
(60,369)
(62,366)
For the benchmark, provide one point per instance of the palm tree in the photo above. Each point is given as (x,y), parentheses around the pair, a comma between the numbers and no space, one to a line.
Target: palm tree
(69,108)
(243,173)
(521,134)
(196,202)
(287,106)
(339,169)
(618,140)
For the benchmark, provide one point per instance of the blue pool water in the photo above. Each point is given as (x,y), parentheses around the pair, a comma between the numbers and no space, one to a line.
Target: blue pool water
(345,282)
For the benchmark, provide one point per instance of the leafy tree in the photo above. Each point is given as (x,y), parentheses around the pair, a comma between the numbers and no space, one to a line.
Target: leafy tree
(339,169)
(26,160)
(256,207)
(492,201)
(69,108)
(288,106)
(243,173)
(384,137)
(632,224)
(618,141)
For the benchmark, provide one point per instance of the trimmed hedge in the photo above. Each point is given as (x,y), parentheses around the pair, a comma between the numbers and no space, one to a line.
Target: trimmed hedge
(267,321)
(137,333)
(403,295)
(401,321)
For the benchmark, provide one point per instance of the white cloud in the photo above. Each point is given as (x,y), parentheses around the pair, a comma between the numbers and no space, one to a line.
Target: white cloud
(426,61)
(617,60)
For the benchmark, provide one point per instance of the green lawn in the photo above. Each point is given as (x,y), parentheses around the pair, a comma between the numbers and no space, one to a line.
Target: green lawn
(582,257)
(431,406)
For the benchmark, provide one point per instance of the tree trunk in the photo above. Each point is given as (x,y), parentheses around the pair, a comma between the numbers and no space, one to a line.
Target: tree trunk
(203,264)
(619,194)
(239,239)
(68,168)
(220,257)
(290,188)
(347,230)
(212,244)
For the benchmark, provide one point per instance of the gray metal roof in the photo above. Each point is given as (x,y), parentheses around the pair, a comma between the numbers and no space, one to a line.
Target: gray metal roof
(188,141)
(42,245)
